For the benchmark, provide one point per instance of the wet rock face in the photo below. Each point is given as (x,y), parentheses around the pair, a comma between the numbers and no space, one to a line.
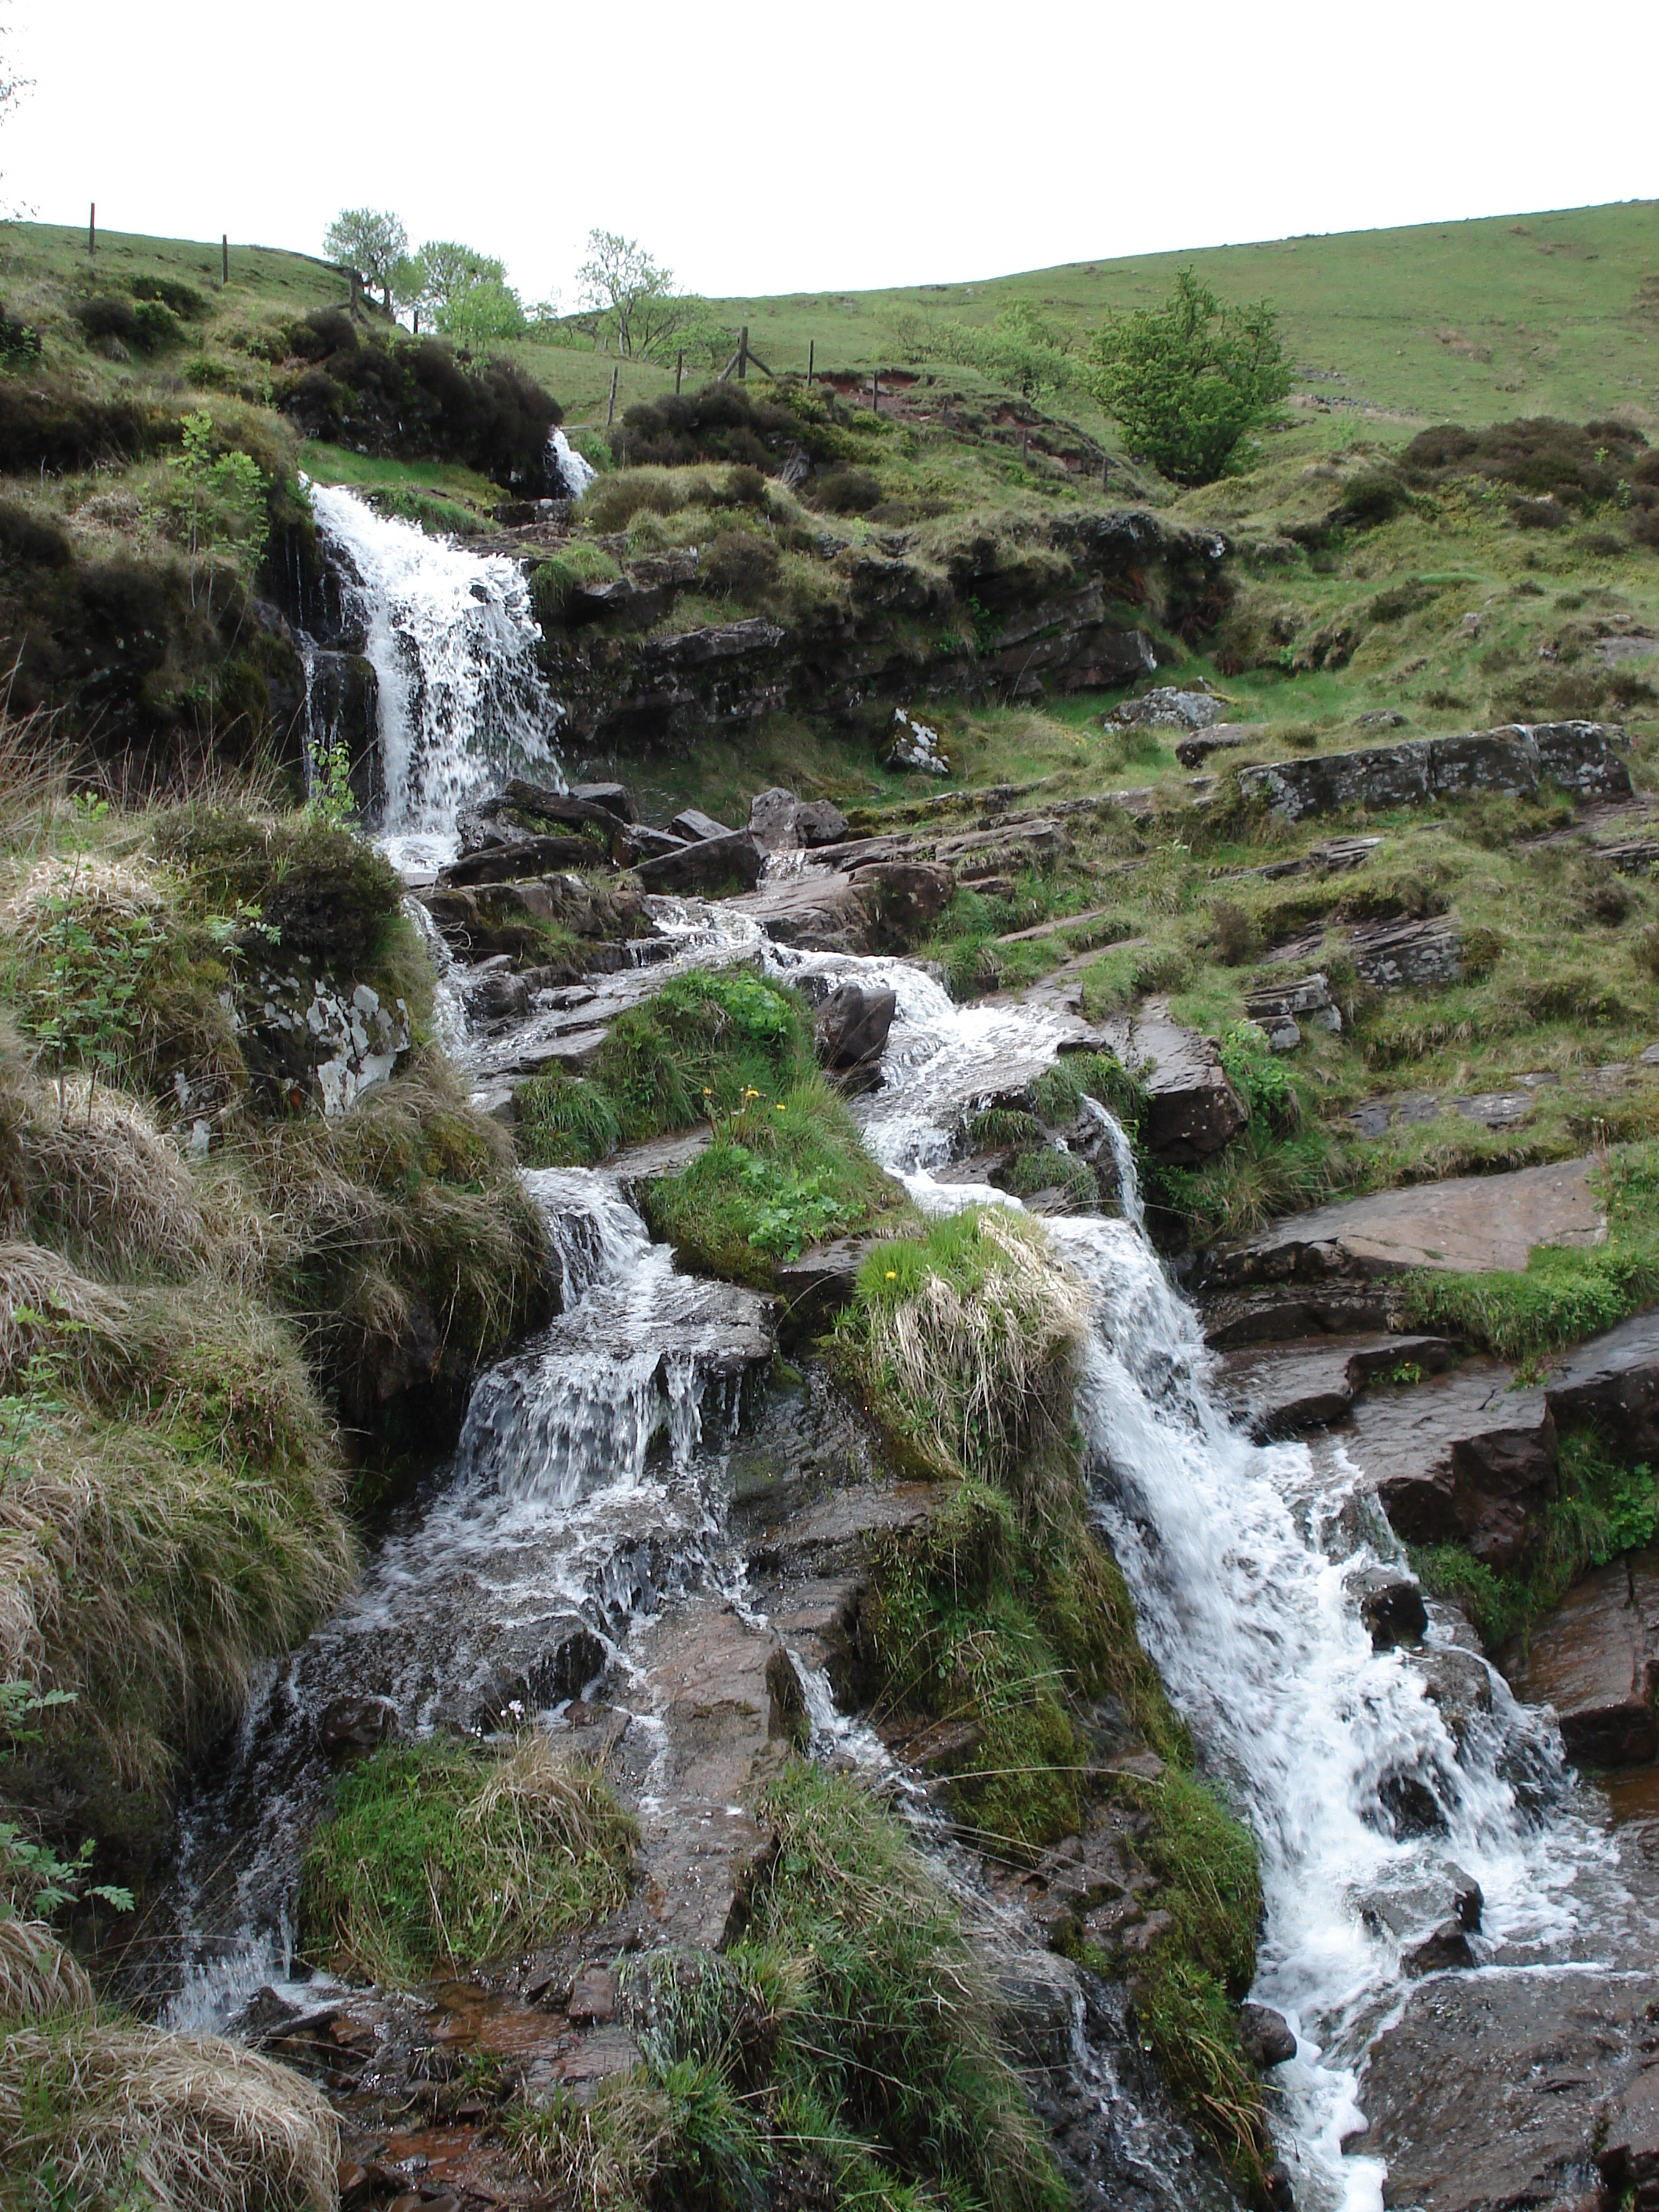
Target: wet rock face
(852,1026)
(1595,1660)
(1193,1109)
(1550,2072)
(1519,759)
(1461,1458)
(1614,1381)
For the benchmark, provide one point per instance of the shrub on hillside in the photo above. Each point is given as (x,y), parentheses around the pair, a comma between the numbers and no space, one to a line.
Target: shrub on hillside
(721,422)
(418,399)
(743,565)
(51,424)
(846,491)
(1188,380)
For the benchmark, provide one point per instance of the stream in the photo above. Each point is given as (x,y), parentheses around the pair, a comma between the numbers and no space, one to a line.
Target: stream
(590,1492)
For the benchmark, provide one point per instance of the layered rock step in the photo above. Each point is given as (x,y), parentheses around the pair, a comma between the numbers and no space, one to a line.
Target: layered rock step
(1595,1660)
(1517,760)
(1336,1268)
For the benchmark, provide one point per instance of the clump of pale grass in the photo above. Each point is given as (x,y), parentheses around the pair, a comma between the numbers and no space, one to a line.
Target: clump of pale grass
(38,1980)
(191,2123)
(46,1305)
(88,888)
(976,1362)
(91,1164)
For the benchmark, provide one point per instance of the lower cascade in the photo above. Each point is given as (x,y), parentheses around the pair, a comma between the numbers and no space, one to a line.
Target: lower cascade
(593,1485)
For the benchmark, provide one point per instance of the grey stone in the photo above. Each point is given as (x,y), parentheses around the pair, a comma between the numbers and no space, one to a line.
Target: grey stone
(1265,2035)
(1448,1947)
(852,1025)
(1276,1011)
(1192,1109)
(526,856)
(1393,955)
(612,798)
(351,1727)
(696,827)
(1220,737)
(1391,1606)
(712,865)
(1613,1382)
(1167,708)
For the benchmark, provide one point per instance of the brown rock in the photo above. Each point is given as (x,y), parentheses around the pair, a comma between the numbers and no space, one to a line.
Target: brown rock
(351,1727)
(852,1026)
(1595,1659)
(1462,1458)
(1447,1948)
(1193,1111)
(593,1998)
(1265,2035)
(531,856)
(1612,1381)
(696,827)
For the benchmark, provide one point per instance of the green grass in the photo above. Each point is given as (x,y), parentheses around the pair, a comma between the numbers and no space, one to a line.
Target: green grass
(441,1855)
(782,1173)
(844,2049)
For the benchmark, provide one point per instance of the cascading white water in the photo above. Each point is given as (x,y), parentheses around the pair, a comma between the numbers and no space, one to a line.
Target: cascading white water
(574,473)
(559,1513)
(1240,1558)
(451,640)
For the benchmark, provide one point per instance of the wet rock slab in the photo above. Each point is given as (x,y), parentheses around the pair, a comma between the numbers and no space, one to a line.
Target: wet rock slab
(1462,1457)
(1595,1660)
(1321,1262)
(1282,1389)
(1193,1111)
(1497,2091)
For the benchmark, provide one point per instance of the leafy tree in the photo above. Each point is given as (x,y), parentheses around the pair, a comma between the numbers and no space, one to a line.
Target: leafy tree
(409,283)
(630,295)
(1187,380)
(481,311)
(220,499)
(465,292)
(371,240)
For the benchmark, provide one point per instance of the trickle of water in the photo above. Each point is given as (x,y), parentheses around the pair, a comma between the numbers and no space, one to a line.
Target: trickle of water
(574,473)
(449,1021)
(451,639)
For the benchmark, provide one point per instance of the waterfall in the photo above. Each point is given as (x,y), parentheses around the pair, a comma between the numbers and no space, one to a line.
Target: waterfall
(574,473)
(451,640)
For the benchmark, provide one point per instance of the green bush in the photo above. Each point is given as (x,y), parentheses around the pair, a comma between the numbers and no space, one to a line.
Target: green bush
(1189,380)
(697,1049)
(564,1122)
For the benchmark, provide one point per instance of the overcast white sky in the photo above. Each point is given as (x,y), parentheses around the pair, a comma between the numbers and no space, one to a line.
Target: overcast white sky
(776,148)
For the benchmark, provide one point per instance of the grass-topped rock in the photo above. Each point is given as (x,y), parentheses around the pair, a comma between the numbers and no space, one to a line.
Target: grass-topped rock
(442,1855)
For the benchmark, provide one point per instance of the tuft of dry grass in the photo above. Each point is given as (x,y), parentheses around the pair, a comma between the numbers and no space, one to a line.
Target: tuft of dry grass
(91,1167)
(42,1296)
(965,1340)
(188,2123)
(38,1980)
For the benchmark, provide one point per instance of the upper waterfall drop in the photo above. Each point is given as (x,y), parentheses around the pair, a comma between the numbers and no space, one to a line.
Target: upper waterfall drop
(574,473)
(451,640)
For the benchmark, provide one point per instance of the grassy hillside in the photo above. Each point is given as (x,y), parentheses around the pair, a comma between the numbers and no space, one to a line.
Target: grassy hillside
(1538,315)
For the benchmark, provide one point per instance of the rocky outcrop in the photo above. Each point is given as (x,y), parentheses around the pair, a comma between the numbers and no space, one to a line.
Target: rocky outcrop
(1518,760)
(884,905)
(1328,1270)
(1397,955)
(1193,1110)
(1275,1011)
(1551,2072)
(1595,1660)
(1044,614)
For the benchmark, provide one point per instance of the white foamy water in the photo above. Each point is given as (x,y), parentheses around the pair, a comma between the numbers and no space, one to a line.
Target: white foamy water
(451,640)
(574,473)
(1241,1559)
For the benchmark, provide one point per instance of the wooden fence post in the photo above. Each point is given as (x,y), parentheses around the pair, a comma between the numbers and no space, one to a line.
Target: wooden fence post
(680,370)
(610,411)
(742,353)
(811,352)
(224,258)
(875,387)
(92,233)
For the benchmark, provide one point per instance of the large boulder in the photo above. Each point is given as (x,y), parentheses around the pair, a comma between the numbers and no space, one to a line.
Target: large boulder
(853,1024)
(1595,1659)
(509,862)
(710,866)
(696,827)
(1613,1382)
